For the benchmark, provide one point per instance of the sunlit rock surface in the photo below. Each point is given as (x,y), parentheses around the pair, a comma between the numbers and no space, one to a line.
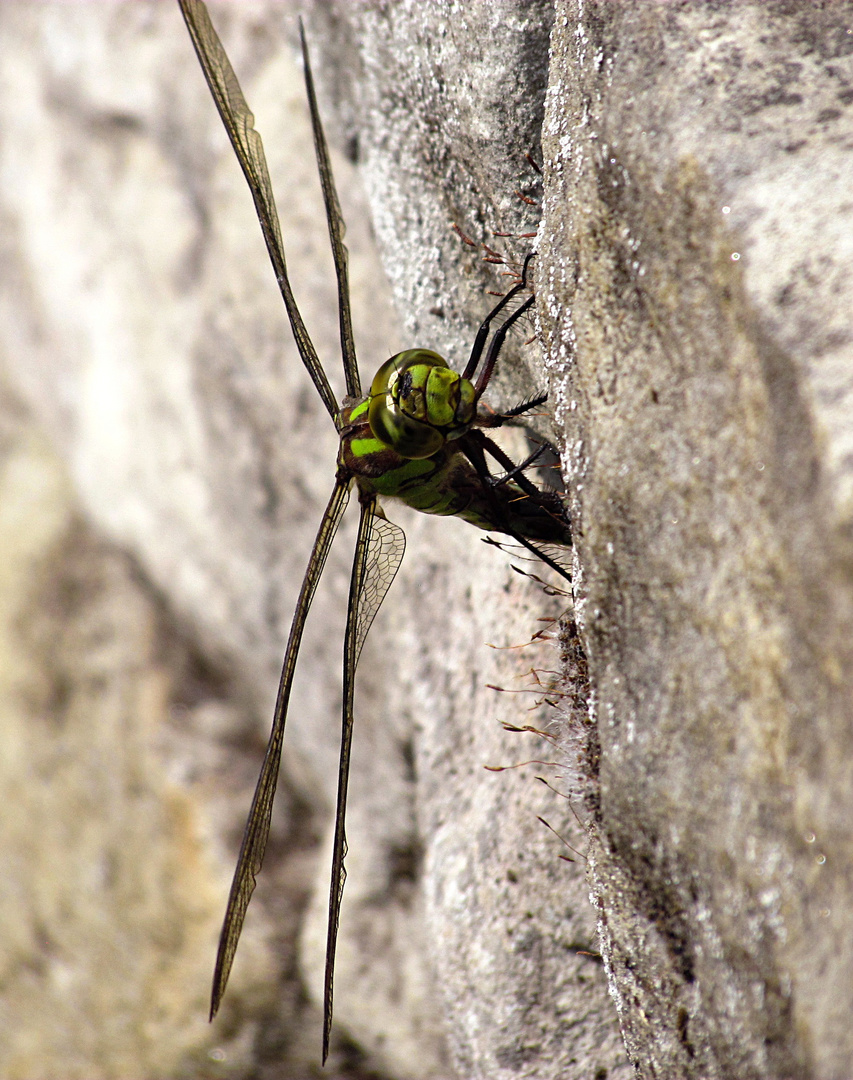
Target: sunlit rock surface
(696,299)
(165,461)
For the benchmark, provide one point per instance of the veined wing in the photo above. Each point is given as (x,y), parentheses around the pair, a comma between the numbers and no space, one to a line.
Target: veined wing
(239,123)
(386,545)
(336,229)
(378,554)
(258,825)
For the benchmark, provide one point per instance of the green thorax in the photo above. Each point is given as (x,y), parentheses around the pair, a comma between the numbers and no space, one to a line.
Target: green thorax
(431,485)
(444,483)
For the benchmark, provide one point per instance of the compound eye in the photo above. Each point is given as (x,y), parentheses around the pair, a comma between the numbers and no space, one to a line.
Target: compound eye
(417,403)
(407,396)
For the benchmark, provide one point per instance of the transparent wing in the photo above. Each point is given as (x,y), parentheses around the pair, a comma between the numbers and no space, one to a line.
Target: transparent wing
(386,545)
(258,825)
(336,229)
(378,554)
(239,123)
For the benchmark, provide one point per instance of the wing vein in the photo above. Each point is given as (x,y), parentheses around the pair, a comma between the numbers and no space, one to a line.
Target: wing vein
(258,825)
(337,229)
(379,551)
(239,123)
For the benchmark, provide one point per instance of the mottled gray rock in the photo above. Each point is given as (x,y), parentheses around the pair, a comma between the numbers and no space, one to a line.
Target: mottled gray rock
(696,300)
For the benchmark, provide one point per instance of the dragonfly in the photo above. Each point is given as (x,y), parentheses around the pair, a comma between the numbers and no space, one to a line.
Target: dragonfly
(417,436)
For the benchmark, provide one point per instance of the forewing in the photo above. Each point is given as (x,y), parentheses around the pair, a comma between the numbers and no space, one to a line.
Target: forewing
(258,825)
(335,220)
(378,554)
(239,123)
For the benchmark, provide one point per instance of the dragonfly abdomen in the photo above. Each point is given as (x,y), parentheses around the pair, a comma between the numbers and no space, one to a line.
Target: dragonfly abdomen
(446,484)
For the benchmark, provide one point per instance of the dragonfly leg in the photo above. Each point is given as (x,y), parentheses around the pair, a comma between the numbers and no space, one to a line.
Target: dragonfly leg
(514,472)
(496,346)
(517,472)
(487,419)
(525,406)
(475,450)
(483,332)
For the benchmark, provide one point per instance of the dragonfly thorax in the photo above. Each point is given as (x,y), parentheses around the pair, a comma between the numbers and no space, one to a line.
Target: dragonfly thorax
(417,403)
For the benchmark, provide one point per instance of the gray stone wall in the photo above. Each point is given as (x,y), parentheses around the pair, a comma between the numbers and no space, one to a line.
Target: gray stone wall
(696,303)
(164,466)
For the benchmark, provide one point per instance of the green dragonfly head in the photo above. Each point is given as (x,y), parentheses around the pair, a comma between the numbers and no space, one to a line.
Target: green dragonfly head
(417,403)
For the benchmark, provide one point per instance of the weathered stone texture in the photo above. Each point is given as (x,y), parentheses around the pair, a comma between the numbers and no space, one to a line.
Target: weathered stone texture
(165,461)
(696,302)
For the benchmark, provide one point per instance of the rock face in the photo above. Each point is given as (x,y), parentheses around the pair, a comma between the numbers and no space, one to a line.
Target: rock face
(165,461)
(696,298)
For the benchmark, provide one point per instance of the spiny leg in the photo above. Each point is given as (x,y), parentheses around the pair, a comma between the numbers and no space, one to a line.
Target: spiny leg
(496,346)
(487,419)
(477,444)
(483,332)
(518,471)
(474,450)
(523,407)
(496,420)
(489,446)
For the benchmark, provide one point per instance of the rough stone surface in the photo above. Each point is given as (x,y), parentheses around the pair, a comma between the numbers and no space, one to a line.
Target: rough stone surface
(165,462)
(695,298)
(142,334)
